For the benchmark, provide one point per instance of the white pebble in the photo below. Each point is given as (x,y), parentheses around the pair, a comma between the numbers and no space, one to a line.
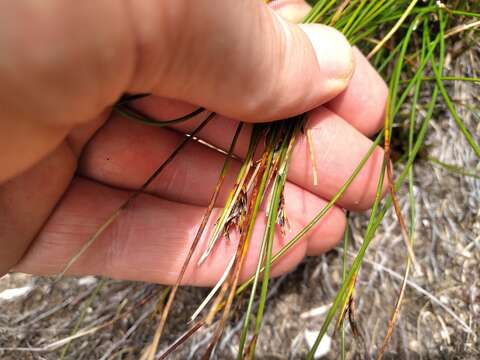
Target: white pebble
(324,346)
(12,294)
(87,280)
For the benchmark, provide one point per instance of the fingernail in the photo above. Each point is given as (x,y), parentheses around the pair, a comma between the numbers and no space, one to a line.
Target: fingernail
(334,53)
(293,11)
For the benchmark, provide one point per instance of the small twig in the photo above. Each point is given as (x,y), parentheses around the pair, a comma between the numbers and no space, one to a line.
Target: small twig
(395,313)
(312,156)
(461,28)
(182,339)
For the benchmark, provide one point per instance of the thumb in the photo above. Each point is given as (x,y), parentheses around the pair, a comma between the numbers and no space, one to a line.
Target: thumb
(238,58)
(61,65)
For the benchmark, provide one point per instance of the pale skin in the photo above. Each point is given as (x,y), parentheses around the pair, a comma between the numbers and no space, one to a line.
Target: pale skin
(68,162)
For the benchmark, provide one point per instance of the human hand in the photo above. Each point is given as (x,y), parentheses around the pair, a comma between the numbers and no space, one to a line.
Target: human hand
(67,162)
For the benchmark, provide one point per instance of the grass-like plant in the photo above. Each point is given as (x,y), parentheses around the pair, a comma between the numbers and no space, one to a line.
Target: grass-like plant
(410,55)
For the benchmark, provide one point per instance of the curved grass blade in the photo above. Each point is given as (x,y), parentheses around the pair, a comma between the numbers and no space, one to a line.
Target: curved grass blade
(448,102)
(454,168)
(388,125)
(215,289)
(127,98)
(396,311)
(455,78)
(133,114)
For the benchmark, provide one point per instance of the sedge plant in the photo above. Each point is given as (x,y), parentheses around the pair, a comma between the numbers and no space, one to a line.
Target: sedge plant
(410,55)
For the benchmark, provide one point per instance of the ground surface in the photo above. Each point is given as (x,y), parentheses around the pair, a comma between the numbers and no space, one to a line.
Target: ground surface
(440,318)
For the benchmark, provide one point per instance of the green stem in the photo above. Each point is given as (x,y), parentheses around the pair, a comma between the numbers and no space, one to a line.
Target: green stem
(136,115)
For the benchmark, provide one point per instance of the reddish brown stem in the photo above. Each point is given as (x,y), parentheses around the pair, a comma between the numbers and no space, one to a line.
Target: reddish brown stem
(198,236)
